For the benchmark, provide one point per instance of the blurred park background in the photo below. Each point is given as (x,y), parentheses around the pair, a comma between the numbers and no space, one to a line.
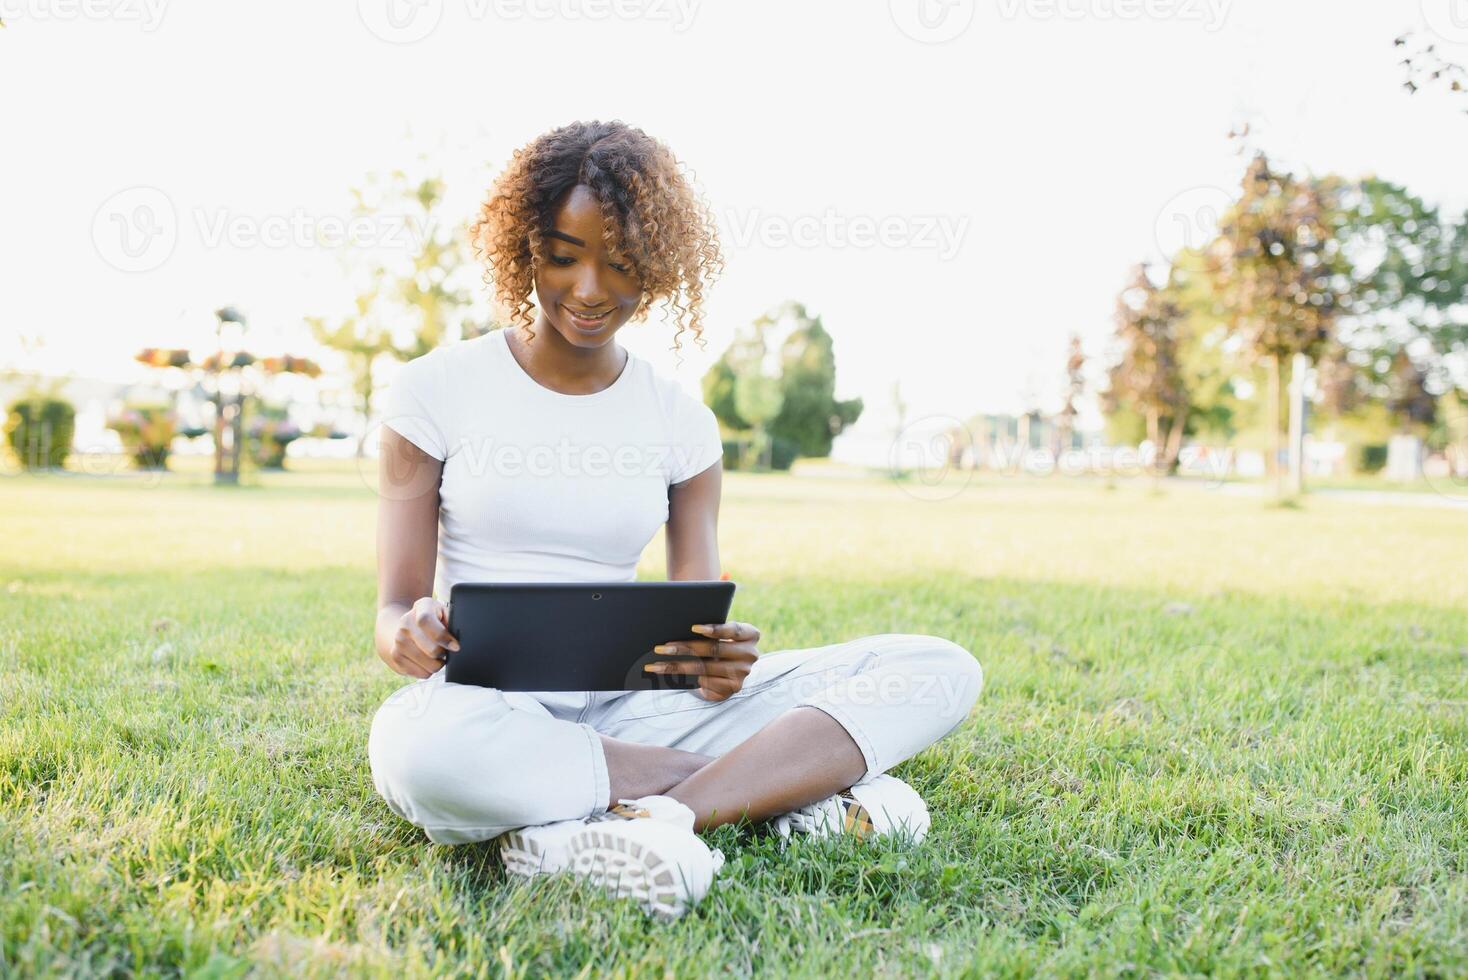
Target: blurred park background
(1125,343)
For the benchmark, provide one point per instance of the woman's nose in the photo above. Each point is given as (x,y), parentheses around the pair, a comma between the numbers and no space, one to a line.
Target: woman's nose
(589,292)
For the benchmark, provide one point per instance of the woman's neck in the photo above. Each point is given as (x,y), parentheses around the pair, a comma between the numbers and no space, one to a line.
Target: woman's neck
(564,367)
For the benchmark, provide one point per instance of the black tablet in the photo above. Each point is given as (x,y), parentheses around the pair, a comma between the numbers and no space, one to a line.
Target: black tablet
(576,636)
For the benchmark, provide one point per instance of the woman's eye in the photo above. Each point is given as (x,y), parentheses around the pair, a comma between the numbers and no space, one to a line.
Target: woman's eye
(561,260)
(621,267)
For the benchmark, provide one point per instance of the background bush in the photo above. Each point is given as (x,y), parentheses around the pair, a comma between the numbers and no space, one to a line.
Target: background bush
(39,429)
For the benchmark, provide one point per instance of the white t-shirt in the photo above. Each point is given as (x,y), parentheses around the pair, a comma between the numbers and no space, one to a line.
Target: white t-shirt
(540,486)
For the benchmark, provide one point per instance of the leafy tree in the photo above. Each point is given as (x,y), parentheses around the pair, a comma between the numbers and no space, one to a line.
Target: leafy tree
(1408,399)
(806,415)
(718,394)
(758,395)
(810,416)
(1277,261)
(416,298)
(1148,377)
(1408,283)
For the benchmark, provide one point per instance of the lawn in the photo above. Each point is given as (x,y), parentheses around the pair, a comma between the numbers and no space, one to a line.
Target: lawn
(1217,737)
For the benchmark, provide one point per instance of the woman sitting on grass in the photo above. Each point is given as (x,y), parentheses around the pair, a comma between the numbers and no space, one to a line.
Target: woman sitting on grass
(598,220)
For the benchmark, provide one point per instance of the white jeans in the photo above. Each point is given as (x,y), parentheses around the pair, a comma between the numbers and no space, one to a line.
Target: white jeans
(467,763)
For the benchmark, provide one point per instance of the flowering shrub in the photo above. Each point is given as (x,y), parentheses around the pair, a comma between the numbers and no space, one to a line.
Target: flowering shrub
(39,429)
(147,432)
(269,434)
(163,357)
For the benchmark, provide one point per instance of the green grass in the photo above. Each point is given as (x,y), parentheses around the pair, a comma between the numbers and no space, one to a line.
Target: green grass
(1217,737)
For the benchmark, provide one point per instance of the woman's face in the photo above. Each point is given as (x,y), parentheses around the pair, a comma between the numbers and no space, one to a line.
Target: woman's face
(584,291)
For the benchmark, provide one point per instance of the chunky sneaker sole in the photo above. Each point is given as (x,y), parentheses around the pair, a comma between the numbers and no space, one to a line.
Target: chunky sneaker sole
(663,868)
(541,850)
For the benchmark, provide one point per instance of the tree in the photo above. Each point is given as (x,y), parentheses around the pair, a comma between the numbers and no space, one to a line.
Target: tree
(1276,262)
(757,394)
(810,416)
(1408,399)
(417,294)
(1075,389)
(806,416)
(1408,283)
(1425,68)
(1148,376)
(718,395)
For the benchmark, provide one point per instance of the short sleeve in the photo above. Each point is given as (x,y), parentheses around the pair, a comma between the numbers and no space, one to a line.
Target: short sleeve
(413,405)
(699,444)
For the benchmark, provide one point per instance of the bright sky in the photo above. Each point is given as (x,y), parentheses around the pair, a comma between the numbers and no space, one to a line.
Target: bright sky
(954,186)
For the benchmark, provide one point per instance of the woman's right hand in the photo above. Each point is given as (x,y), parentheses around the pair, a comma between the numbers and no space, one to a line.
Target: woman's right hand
(421,639)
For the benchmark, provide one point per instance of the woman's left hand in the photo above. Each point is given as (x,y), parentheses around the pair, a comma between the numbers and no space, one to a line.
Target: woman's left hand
(721,661)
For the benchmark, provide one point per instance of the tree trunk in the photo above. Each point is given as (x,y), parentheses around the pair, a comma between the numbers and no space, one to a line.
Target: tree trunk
(1276,437)
(1175,440)
(1154,436)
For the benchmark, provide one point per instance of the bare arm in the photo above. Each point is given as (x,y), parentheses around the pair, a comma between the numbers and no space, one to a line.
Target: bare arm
(412,627)
(693,526)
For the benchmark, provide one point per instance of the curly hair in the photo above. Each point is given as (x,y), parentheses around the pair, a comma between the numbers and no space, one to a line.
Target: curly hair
(651,211)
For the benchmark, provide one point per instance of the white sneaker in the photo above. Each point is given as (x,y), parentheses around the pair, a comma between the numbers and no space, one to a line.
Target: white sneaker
(874,807)
(645,849)
(539,850)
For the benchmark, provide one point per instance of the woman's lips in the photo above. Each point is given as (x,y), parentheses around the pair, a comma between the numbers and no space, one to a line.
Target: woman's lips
(584,322)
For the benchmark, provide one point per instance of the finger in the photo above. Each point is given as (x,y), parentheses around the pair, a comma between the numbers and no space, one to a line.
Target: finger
(422,663)
(411,668)
(436,629)
(711,649)
(690,648)
(423,641)
(728,631)
(694,667)
(702,668)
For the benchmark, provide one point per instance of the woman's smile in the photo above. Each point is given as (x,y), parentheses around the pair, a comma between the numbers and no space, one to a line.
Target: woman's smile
(587,321)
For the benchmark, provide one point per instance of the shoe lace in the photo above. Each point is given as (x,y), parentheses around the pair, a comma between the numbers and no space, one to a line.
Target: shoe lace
(624,810)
